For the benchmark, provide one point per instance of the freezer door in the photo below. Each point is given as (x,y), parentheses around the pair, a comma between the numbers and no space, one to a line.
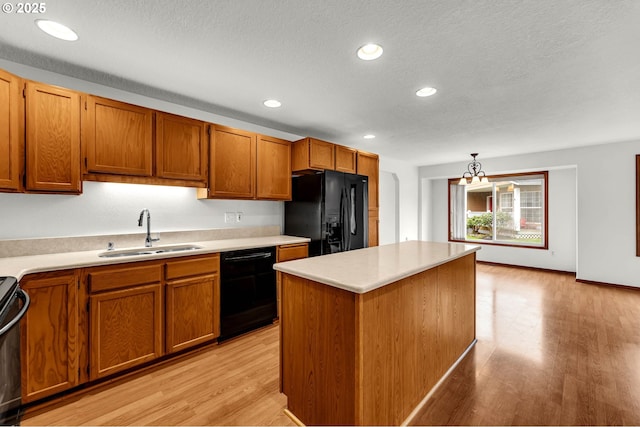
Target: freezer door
(333,220)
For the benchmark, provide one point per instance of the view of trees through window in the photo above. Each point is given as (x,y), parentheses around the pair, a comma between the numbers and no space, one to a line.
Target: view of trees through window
(509,209)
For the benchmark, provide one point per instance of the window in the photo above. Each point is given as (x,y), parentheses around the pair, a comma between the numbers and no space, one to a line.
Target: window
(508,210)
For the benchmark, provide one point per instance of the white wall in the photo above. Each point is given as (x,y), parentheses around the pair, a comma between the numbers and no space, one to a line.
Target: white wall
(389,229)
(109,208)
(592,214)
(407,200)
(112,208)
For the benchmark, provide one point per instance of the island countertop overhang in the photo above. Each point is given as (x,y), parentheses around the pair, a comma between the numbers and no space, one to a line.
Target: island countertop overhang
(363,270)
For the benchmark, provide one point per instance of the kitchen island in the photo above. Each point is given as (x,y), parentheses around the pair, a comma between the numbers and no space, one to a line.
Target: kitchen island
(366,334)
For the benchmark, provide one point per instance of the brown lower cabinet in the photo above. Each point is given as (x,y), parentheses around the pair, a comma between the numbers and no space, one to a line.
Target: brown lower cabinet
(87,324)
(126,328)
(289,253)
(192,302)
(50,344)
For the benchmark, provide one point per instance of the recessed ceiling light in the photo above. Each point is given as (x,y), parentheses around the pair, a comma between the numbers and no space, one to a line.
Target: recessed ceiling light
(369,136)
(370,51)
(272,103)
(426,91)
(57,30)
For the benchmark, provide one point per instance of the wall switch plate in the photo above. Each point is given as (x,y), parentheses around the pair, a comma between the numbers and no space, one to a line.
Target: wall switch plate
(239,216)
(229,217)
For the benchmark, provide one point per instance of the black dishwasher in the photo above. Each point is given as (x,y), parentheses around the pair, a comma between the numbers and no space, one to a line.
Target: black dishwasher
(247,290)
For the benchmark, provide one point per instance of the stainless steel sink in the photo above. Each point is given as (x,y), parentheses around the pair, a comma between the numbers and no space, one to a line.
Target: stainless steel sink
(148,251)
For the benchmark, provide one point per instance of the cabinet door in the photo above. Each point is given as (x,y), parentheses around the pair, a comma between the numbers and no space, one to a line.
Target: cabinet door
(49,343)
(368,165)
(232,164)
(10,138)
(321,155)
(313,154)
(345,159)
(53,139)
(374,223)
(119,137)
(192,301)
(126,328)
(273,168)
(288,253)
(181,148)
(193,311)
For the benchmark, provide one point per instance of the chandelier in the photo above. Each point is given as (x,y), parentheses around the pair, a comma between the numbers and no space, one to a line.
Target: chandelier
(474,171)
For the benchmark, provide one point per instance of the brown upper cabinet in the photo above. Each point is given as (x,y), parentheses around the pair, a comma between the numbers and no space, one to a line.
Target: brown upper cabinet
(233,163)
(274,168)
(181,148)
(244,165)
(313,154)
(346,159)
(52,139)
(118,137)
(310,154)
(11,138)
(128,143)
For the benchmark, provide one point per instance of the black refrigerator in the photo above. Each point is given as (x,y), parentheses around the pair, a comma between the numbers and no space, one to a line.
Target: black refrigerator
(330,208)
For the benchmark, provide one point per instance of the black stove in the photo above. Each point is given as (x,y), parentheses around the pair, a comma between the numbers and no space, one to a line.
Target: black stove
(14,303)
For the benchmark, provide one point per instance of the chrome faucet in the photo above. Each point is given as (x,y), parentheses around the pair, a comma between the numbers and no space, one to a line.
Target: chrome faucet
(148,241)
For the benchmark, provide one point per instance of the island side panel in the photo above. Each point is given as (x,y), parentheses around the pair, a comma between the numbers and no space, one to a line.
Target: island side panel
(318,347)
(412,331)
(457,303)
(399,339)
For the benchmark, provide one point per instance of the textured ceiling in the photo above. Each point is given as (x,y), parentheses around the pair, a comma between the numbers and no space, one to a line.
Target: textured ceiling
(513,76)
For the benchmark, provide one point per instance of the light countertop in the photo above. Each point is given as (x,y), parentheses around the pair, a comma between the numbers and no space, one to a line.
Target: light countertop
(22,265)
(364,270)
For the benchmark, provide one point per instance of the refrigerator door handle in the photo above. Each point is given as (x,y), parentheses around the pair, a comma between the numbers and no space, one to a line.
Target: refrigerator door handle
(349,224)
(344,216)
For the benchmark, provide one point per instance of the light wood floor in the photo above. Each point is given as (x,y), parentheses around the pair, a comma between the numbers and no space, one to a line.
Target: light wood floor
(235,383)
(550,351)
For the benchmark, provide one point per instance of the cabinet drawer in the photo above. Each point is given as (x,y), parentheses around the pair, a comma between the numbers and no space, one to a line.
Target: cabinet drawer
(193,267)
(131,275)
(291,252)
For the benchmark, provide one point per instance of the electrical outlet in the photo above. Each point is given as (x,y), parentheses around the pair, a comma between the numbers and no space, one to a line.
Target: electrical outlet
(229,217)
(238,216)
